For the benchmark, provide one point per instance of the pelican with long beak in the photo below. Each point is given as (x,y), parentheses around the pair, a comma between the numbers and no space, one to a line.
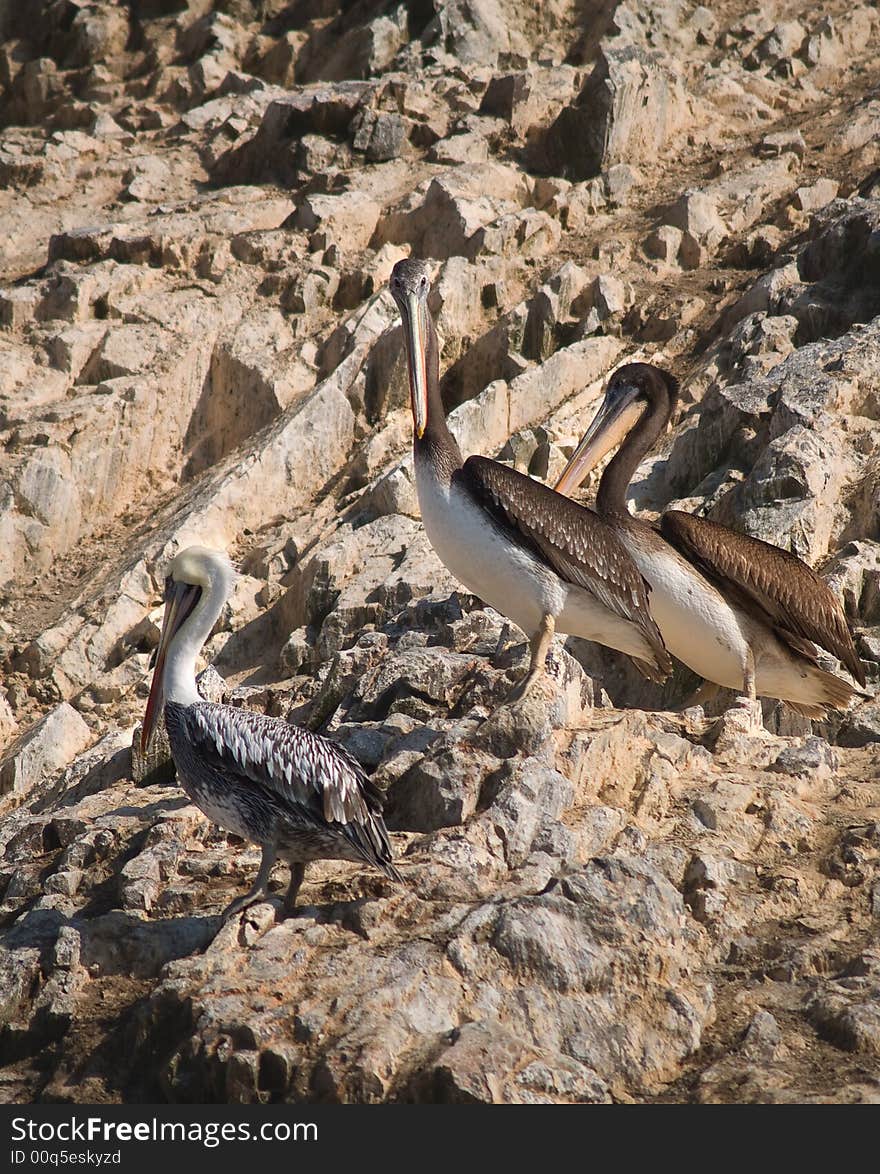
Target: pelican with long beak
(541,560)
(740,612)
(298,795)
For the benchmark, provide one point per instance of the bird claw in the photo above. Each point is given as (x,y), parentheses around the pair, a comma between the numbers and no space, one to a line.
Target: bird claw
(522,689)
(240,904)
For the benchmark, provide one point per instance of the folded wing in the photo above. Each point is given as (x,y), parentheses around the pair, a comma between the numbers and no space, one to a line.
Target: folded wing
(797,602)
(580,547)
(317,780)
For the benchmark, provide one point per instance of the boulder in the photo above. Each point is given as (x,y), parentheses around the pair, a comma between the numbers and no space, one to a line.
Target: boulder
(630,107)
(42,750)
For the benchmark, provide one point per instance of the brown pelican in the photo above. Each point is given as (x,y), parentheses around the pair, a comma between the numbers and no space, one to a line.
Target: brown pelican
(738,611)
(541,560)
(296,794)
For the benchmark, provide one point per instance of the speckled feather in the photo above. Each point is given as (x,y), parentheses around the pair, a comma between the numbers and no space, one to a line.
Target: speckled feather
(797,603)
(278,781)
(577,543)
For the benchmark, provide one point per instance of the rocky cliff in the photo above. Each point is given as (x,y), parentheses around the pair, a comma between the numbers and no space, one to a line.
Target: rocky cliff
(605,899)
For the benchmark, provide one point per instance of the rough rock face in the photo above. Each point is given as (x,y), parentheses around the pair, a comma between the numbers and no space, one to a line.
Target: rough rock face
(200,206)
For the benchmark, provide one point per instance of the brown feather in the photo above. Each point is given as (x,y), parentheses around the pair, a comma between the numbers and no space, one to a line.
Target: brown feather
(798,603)
(580,547)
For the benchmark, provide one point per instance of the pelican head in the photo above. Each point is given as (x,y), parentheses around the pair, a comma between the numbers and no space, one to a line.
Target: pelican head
(198,583)
(410,285)
(631,390)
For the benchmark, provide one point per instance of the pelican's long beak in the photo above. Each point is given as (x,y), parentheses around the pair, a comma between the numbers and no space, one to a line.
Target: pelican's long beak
(413,313)
(614,419)
(180,599)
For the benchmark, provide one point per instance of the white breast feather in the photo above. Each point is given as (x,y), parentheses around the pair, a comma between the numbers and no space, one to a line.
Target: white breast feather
(484,560)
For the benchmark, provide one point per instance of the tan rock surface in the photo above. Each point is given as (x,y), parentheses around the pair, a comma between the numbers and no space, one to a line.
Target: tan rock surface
(196,344)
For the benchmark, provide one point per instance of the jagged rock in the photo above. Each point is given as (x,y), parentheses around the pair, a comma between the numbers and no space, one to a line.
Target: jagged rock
(856,574)
(322,109)
(505,96)
(347,48)
(862,128)
(441,790)
(381,136)
(528,234)
(465,147)
(839,261)
(189,359)
(782,141)
(476,31)
(470,1072)
(847,1022)
(608,296)
(580,203)
(531,939)
(106,127)
(860,728)
(277,62)
(607,124)
(149,179)
(526,812)
(696,213)
(832,283)
(783,40)
(52,743)
(456,208)
(347,221)
(8,724)
(551,308)
(705,24)
(816,196)
(246,388)
(664,243)
(789,459)
(620,181)
(759,247)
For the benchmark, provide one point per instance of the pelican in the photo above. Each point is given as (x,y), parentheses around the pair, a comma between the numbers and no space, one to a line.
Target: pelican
(740,612)
(296,794)
(541,560)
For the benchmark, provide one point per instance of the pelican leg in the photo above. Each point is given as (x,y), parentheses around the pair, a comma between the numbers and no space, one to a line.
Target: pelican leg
(748,700)
(257,889)
(749,689)
(297,872)
(539,644)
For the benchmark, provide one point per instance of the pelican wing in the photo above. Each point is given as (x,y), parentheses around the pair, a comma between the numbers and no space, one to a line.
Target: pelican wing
(580,547)
(796,601)
(319,779)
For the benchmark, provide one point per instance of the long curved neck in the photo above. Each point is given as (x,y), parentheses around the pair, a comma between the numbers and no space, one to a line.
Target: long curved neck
(611,496)
(180,665)
(437,445)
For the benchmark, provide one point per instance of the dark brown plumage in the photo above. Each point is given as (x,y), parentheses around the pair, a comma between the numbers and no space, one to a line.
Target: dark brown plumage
(574,541)
(794,600)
